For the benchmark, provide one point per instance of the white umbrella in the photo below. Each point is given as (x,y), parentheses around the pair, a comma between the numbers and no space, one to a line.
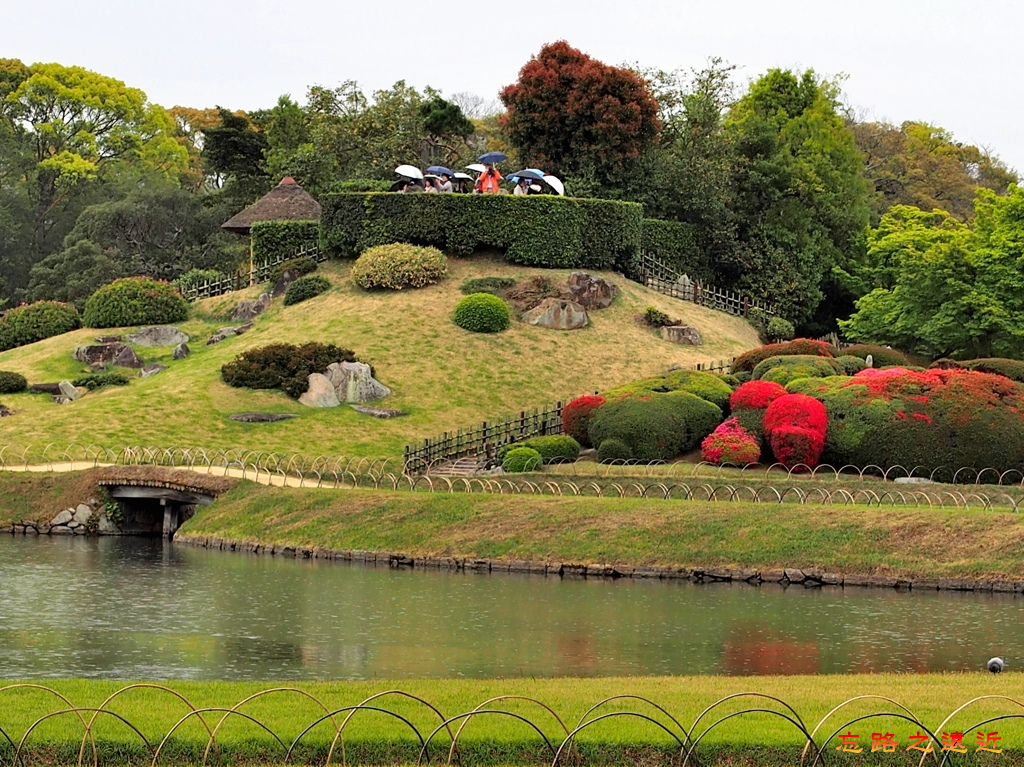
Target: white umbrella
(554,183)
(477,167)
(463,176)
(409,171)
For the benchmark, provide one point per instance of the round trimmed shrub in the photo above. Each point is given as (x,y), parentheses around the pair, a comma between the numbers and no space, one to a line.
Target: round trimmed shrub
(134,301)
(560,447)
(482,313)
(283,366)
(707,386)
(780,329)
(796,410)
(797,446)
(305,288)
(850,365)
(522,459)
(398,266)
(12,383)
(576,417)
(29,323)
(1012,369)
(747,361)
(788,368)
(755,395)
(881,356)
(656,427)
(614,450)
(731,443)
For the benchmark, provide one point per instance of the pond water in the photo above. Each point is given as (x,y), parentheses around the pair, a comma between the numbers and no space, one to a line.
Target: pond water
(131,608)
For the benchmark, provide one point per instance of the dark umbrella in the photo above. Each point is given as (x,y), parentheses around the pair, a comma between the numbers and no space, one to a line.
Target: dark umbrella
(528,173)
(440,170)
(492,157)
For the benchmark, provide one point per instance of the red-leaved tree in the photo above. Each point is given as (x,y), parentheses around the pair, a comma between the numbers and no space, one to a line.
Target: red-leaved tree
(572,115)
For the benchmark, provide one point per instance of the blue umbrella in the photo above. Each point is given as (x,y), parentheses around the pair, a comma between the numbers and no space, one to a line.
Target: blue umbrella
(492,157)
(440,170)
(533,174)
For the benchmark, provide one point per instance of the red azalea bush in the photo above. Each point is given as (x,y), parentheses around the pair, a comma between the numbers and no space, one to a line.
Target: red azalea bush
(749,360)
(731,443)
(795,426)
(755,395)
(576,417)
(796,445)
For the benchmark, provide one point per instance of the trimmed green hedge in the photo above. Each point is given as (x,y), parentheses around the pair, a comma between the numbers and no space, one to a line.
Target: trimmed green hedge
(93,381)
(482,313)
(304,288)
(673,243)
(790,367)
(34,322)
(272,239)
(134,301)
(522,459)
(656,427)
(398,266)
(540,230)
(12,383)
(707,386)
(1012,369)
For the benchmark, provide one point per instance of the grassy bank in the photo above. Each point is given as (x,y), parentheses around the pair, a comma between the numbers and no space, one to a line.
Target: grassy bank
(495,739)
(847,539)
(443,376)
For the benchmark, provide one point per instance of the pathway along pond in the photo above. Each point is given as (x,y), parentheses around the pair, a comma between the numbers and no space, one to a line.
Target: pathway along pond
(132,608)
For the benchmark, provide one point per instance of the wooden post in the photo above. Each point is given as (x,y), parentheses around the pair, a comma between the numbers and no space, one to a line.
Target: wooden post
(252,262)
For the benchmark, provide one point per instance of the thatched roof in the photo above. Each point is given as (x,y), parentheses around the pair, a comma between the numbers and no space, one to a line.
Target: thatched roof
(285,202)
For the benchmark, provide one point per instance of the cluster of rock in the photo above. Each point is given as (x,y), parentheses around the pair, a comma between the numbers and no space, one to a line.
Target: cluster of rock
(343,382)
(111,351)
(581,293)
(681,334)
(228,332)
(83,519)
(247,311)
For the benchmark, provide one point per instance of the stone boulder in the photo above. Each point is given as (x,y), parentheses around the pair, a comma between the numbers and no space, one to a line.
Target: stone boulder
(354,382)
(69,392)
(98,354)
(158,335)
(557,314)
(320,392)
(45,388)
(378,412)
(681,334)
(63,518)
(127,358)
(153,369)
(589,291)
(82,514)
(223,333)
(248,310)
(261,417)
(181,351)
(281,286)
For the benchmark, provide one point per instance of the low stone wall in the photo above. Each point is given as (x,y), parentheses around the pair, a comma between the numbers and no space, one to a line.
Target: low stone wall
(86,518)
(785,577)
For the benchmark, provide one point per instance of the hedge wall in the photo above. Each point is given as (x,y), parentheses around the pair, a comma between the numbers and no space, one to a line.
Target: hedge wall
(673,243)
(541,230)
(271,239)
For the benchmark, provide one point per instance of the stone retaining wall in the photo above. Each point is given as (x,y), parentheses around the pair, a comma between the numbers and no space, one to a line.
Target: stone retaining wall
(786,577)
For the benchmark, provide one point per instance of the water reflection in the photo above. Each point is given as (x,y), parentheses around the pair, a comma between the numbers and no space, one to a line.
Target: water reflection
(136,608)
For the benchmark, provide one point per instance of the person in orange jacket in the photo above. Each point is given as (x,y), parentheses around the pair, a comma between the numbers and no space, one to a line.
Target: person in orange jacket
(487,183)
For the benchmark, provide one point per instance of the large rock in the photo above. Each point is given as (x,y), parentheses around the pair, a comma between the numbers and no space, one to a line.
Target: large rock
(68,391)
(45,388)
(248,310)
(223,333)
(181,351)
(589,291)
(377,412)
(5,411)
(320,392)
(127,358)
(63,518)
(281,286)
(158,335)
(99,354)
(681,334)
(82,514)
(153,369)
(354,382)
(557,314)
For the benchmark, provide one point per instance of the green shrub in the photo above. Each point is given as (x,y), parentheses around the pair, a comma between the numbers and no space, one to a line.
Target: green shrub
(656,427)
(1012,369)
(273,239)
(522,459)
(705,385)
(742,376)
(881,356)
(29,323)
(850,365)
(482,313)
(195,278)
(361,185)
(674,244)
(93,381)
(749,360)
(304,288)
(282,366)
(12,383)
(732,381)
(541,230)
(300,266)
(788,368)
(780,329)
(494,285)
(134,301)
(397,266)
(657,318)
(614,450)
(554,448)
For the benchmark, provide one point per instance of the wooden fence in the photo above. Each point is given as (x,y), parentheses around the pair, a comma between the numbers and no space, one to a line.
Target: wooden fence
(662,278)
(259,273)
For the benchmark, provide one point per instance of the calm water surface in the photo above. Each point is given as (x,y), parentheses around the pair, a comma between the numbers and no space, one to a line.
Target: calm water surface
(134,608)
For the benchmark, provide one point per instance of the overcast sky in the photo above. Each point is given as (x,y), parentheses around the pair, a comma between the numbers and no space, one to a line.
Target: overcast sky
(953,63)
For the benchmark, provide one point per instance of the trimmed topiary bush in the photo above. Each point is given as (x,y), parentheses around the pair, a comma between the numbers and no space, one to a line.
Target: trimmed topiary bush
(658,426)
(398,266)
(576,417)
(554,448)
(705,385)
(1012,369)
(850,365)
(731,443)
(749,402)
(614,450)
(482,313)
(305,288)
(780,329)
(29,323)
(795,426)
(788,368)
(881,356)
(301,267)
(522,459)
(134,301)
(93,381)
(747,361)
(494,285)
(12,383)
(283,366)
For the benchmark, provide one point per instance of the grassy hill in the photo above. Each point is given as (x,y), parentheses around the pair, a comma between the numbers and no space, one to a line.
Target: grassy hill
(443,376)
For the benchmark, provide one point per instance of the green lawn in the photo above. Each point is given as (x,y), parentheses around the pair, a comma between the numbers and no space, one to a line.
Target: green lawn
(443,376)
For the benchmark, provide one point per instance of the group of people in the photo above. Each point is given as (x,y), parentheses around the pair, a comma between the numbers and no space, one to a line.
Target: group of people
(488,182)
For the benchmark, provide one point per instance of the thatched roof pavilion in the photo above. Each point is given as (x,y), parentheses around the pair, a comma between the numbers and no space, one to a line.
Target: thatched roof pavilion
(285,202)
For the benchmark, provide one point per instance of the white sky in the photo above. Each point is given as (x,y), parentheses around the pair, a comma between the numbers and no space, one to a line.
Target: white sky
(953,63)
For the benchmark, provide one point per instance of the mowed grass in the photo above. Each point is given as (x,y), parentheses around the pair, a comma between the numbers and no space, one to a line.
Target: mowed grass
(860,540)
(496,739)
(444,377)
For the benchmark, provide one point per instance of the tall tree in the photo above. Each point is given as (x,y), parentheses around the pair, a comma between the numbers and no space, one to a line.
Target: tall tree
(579,118)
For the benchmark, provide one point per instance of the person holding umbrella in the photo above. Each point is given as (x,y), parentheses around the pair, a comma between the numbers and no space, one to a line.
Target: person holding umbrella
(522,188)
(489,180)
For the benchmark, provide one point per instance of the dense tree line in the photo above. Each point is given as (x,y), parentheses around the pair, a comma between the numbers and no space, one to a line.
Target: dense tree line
(791,198)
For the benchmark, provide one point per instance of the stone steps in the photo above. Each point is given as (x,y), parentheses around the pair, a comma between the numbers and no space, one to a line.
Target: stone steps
(463,467)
